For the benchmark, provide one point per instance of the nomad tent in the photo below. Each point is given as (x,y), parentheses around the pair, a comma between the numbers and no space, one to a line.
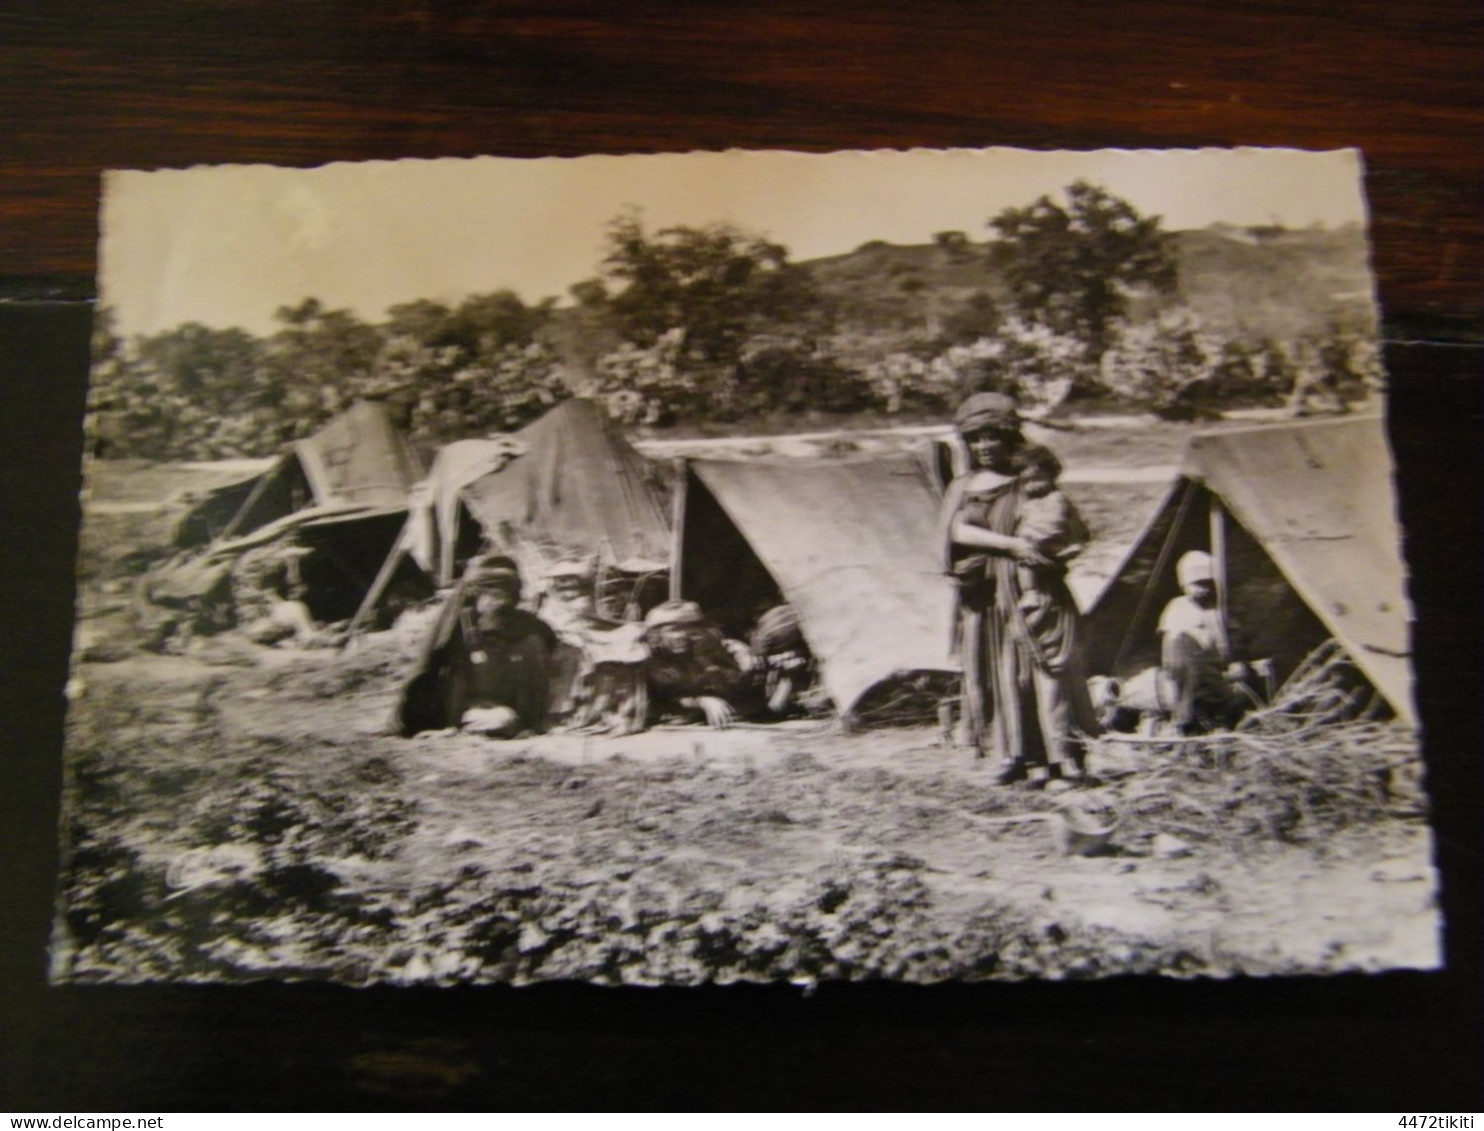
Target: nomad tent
(1300,520)
(358,461)
(851,544)
(567,485)
(577,487)
(340,494)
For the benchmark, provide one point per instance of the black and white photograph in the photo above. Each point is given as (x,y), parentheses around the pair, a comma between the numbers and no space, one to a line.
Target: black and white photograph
(668,570)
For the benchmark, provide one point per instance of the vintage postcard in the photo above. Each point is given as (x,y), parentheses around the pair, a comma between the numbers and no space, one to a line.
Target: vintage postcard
(684,569)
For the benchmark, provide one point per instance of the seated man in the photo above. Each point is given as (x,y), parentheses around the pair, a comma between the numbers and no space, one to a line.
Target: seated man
(568,598)
(692,672)
(567,604)
(1206,688)
(486,667)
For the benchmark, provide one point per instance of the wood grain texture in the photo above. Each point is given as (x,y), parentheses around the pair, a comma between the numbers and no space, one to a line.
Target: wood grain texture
(90,86)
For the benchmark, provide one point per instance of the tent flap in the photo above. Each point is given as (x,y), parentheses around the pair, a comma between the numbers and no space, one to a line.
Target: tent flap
(578,487)
(359,458)
(434,503)
(852,544)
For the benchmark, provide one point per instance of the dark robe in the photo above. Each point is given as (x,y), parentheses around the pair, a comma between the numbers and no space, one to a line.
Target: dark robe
(706,668)
(469,661)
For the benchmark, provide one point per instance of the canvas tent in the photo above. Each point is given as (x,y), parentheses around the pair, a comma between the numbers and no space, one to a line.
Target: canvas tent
(358,461)
(567,484)
(341,493)
(851,544)
(1300,519)
(209,513)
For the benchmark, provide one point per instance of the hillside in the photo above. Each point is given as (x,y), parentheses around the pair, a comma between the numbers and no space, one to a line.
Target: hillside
(881,286)
(1259,286)
(1258,283)
(1274,283)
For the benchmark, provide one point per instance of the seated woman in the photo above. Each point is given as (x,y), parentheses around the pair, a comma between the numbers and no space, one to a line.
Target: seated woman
(597,678)
(693,673)
(785,664)
(486,666)
(566,603)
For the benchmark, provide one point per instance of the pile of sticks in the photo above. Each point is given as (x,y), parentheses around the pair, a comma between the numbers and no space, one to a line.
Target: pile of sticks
(909,699)
(1317,760)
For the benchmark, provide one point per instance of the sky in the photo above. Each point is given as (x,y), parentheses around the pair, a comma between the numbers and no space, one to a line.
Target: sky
(228,245)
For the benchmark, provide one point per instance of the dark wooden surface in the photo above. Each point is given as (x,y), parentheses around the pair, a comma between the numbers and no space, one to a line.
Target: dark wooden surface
(88,86)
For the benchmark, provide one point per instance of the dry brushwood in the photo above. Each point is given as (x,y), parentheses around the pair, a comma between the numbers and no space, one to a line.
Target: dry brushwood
(907,699)
(1313,762)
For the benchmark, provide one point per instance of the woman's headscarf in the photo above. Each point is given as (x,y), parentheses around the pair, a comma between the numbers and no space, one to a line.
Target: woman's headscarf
(987,410)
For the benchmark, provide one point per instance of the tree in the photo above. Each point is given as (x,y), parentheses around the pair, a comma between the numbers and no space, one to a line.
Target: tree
(955,245)
(973,318)
(116,367)
(215,369)
(468,327)
(1074,267)
(125,414)
(318,362)
(1031,361)
(709,322)
(715,284)
(187,386)
(500,388)
(422,320)
(1171,364)
(470,369)
(644,384)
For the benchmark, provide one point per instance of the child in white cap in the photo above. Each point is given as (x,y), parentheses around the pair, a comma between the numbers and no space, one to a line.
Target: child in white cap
(1196,654)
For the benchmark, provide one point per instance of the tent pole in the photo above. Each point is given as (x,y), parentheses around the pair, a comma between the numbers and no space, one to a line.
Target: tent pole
(1218,562)
(251,500)
(677,526)
(1187,491)
(378,586)
(447,535)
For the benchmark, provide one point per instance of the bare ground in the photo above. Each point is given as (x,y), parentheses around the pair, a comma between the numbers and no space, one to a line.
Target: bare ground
(238,815)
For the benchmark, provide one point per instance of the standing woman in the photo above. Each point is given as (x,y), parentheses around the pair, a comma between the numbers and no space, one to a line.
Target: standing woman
(1024,691)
